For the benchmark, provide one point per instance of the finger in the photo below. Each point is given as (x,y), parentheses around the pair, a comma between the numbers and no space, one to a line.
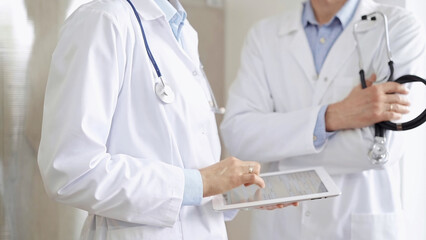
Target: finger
(264,208)
(393,87)
(398,108)
(289,204)
(391,116)
(278,206)
(398,99)
(273,207)
(249,179)
(249,164)
(371,80)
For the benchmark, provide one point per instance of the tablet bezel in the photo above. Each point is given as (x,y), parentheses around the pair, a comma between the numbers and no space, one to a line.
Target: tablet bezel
(332,191)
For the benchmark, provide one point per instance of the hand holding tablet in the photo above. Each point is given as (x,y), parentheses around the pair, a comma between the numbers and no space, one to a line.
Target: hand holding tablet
(281,188)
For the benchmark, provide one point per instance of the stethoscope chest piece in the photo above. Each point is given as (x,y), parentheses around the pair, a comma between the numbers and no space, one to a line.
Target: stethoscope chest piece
(378,153)
(164,92)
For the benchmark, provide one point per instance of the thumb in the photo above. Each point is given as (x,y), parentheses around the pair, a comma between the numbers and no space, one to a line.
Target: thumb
(371,80)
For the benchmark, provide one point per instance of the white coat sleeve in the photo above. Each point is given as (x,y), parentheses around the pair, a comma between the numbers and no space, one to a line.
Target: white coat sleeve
(82,91)
(252,129)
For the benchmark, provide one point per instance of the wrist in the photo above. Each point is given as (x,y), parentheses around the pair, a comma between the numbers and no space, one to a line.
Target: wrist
(333,119)
(203,174)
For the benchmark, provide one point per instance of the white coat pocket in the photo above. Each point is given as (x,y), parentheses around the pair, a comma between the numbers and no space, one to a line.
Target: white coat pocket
(384,226)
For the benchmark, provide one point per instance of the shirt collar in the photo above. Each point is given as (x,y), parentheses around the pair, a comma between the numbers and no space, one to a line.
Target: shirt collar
(170,10)
(344,15)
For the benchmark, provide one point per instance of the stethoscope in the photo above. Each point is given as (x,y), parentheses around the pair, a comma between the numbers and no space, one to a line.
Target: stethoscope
(378,153)
(163,91)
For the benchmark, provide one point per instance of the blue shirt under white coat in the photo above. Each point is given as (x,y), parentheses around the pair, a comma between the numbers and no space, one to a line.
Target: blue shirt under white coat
(321,39)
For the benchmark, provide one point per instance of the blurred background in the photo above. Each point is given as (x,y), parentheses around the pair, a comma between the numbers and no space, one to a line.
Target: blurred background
(28,35)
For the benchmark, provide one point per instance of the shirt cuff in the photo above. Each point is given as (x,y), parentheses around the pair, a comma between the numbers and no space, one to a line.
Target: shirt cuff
(193,191)
(320,133)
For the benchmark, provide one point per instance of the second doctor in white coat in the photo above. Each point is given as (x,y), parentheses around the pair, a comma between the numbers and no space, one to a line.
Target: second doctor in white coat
(138,166)
(273,108)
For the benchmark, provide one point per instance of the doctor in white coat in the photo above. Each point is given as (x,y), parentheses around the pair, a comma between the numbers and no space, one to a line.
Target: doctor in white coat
(282,95)
(142,168)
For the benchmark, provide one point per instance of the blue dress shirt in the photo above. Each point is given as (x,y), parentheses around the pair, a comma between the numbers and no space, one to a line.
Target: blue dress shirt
(321,38)
(176,16)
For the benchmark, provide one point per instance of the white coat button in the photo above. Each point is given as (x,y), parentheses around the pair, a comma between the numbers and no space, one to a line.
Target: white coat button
(195,73)
(325,79)
(315,77)
(307,213)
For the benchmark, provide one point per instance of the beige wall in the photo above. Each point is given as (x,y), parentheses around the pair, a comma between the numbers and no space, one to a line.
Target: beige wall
(209,22)
(240,15)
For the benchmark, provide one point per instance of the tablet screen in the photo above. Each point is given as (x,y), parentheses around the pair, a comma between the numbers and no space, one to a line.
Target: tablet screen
(279,186)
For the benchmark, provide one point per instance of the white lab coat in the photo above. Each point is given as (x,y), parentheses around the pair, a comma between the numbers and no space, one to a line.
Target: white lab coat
(109,146)
(272,111)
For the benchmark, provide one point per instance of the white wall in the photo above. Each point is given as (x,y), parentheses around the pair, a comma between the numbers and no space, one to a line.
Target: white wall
(415,168)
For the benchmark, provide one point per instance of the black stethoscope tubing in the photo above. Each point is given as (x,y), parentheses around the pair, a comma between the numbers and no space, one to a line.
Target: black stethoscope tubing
(419,120)
(387,125)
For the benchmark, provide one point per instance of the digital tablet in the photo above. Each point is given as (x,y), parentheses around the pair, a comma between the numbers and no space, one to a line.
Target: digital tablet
(280,187)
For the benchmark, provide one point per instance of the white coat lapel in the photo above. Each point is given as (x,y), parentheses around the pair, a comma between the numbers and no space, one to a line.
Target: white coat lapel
(298,45)
(188,51)
(340,53)
(190,43)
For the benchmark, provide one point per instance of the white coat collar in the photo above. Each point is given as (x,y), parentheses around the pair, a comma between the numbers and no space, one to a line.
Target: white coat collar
(293,21)
(148,9)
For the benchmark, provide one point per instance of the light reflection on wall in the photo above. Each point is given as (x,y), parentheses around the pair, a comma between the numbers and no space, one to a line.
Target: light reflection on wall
(28,35)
